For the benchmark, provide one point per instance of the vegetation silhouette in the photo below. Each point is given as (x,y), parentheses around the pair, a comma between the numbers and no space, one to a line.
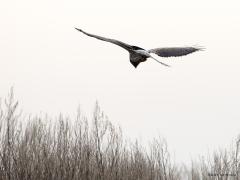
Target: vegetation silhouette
(37,149)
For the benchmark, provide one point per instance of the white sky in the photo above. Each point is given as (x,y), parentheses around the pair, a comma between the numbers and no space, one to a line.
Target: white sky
(53,68)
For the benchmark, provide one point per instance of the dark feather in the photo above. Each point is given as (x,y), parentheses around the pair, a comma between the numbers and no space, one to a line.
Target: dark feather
(174,51)
(114,41)
(135,59)
(136,48)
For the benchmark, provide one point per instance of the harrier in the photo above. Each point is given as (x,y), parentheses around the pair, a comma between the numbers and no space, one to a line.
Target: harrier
(138,55)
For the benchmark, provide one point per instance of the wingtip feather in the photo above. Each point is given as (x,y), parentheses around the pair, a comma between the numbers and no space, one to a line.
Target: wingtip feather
(199,48)
(78,29)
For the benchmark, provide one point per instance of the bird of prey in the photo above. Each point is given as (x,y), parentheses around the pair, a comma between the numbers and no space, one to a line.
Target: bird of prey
(138,55)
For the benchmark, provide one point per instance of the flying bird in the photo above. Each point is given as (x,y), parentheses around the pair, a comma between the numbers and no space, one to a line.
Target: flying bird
(138,55)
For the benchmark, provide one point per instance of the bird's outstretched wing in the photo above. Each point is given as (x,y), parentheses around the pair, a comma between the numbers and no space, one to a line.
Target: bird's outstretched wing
(119,43)
(174,51)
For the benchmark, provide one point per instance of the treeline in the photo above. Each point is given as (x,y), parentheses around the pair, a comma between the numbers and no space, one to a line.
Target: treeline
(36,148)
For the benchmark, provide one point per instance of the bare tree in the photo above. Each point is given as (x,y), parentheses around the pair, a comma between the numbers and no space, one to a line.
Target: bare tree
(63,148)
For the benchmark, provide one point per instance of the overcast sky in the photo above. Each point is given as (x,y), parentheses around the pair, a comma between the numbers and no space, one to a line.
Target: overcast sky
(195,104)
